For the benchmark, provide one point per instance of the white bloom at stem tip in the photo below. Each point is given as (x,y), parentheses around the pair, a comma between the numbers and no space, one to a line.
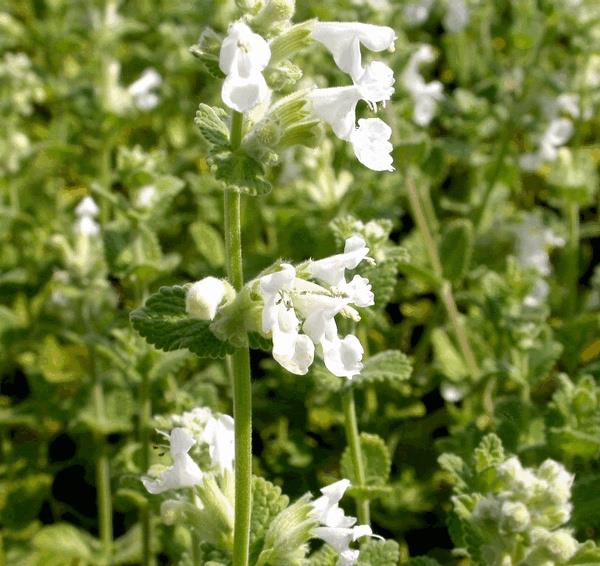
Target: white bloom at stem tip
(558,133)
(343,40)
(85,211)
(326,509)
(183,473)
(243,56)
(204,297)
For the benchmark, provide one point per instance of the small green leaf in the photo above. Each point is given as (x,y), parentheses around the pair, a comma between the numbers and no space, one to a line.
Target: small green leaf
(242,173)
(211,127)
(376,461)
(64,544)
(209,242)
(489,453)
(163,322)
(456,248)
(379,553)
(391,365)
(449,362)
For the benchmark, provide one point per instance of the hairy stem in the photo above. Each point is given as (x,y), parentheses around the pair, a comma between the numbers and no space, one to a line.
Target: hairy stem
(240,372)
(445,289)
(145,415)
(353,439)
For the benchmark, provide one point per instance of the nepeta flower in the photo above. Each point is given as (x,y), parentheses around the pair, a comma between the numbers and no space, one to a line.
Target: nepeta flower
(243,56)
(335,527)
(141,90)
(183,473)
(556,134)
(219,435)
(204,297)
(372,83)
(292,304)
(425,95)
(343,40)
(85,224)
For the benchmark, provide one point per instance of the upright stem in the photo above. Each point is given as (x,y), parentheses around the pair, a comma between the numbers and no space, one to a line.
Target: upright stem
(103,492)
(144,420)
(445,290)
(353,441)
(572,257)
(240,371)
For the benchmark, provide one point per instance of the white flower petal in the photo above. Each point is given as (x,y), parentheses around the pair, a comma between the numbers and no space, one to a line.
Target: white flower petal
(359,291)
(348,557)
(181,441)
(301,357)
(219,435)
(243,51)
(87,207)
(343,357)
(337,107)
(244,93)
(204,297)
(149,79)
(331,269)
(371,145)
(376,83)
(337,537)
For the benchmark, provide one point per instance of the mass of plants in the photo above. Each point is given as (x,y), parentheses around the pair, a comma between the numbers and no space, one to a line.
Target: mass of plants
(299,284)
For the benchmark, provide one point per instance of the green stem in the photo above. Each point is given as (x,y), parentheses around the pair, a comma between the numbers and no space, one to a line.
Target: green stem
(103,491)
(572,257)
(445,288)
(144,431)
(240,371)
(353,440)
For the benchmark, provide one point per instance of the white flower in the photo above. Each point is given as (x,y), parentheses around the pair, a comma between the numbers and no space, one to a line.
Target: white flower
(141,89)
(326,509)
(87,207)
(370,142)
(415,13)
(337,105)
(341,537)
(243,56)
(183,473)
(204,297)
(425,95)
(219,435)
(293,351)
(348,557)
(331,269)
(343,40)
(146,196)
(556,134)
(292,303)
(457,16)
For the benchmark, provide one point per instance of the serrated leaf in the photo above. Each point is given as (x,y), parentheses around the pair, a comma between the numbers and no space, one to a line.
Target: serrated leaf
(455,466)
(163,322)
(379,553)
(391,365)
(376,462)
(325,556)
(209,242)
(456,249)
(242,173)
(489,453)
(211,127)
(267,503)
(257,341)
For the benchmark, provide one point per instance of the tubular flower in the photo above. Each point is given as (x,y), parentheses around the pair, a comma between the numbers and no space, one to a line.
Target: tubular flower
(425,95)
(292,304)
(243,56)
(141,89)
(335,527)
(343,40)
(183,473)
(86,211)
(372,83)
(558,133)
(219,435)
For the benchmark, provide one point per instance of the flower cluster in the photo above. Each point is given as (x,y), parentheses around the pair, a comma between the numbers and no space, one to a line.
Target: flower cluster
(425,95)
(291,301)
(335,527)
(527,509)
(199,426)
(372,83)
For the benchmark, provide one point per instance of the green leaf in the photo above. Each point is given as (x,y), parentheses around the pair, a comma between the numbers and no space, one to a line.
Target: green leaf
(62,543)
(391,365)
(242,173)
(456,468)
(212,128)
(325,556)
(376,461)
(489,453)
(163,322)
(209,242)
(379,553)
(267,503)
(456,248)
(449,362)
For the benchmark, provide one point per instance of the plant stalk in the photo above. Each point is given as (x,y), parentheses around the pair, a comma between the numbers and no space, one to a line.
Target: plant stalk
(240,372)
(445,289)
(363,511)
(144,424)
(572,213)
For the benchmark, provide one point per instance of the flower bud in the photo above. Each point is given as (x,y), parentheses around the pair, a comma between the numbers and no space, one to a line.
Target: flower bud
(275,15)
(515,517)
(205,296)
(561,545)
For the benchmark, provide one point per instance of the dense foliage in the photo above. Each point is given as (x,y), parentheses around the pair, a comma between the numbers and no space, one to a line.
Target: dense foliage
(479,401)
